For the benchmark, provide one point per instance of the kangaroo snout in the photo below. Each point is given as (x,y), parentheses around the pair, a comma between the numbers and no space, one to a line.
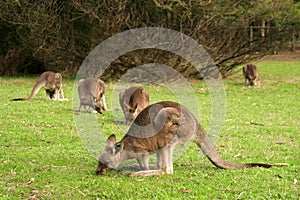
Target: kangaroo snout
(102,169)
(99,110)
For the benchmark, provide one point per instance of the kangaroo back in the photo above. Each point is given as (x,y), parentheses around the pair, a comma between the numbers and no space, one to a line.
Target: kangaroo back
(133,100)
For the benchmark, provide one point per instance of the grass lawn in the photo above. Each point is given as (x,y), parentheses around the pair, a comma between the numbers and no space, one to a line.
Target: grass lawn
(43,157)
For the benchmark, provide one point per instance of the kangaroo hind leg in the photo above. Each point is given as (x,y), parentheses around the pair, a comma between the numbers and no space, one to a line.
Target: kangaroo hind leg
(164,163)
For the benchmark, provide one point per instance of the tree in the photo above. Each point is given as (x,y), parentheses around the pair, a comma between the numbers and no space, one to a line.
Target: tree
(58,35)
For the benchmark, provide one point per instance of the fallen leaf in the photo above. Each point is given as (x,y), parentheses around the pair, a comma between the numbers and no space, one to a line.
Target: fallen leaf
(186,191)
(33,197)
(279,176)
(280,142)
(29,181)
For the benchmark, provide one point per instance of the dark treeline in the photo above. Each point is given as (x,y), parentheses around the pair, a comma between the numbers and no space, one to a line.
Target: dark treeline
(57,35)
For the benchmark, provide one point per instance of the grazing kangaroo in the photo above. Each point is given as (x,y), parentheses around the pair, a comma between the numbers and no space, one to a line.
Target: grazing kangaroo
(91,94)
(133,100)
(250,73)
(158,129)
(52,82)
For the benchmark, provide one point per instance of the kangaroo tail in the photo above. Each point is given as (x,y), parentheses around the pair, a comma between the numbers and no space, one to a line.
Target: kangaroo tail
(36,88)
(34,91)
(208,148)
(19,99)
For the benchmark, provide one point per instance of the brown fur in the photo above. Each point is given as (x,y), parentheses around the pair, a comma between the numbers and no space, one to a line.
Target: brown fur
(133,100)
(158,129)
(52,82)
(92,94)
(250,73)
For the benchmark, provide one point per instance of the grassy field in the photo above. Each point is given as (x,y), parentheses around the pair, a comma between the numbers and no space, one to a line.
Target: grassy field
(43,157)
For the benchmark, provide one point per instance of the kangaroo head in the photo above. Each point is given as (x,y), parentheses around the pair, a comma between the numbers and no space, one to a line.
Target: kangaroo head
(110,158)
(130,112)
(98,102)
(58,80)
(252,80)
(100,90)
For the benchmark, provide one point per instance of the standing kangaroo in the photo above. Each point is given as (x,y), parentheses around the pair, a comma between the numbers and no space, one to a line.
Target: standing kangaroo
(52,82)
(133,100)
(250,73)
(158,129)
(91,94)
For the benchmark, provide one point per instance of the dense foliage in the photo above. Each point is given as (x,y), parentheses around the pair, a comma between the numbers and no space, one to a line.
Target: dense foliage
(58,35)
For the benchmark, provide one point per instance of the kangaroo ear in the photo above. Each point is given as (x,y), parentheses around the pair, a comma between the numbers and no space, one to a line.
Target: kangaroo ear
(118,147)
(99,81)
(57,76)
(133,109)
(166,115)
(111,140)
(126,106)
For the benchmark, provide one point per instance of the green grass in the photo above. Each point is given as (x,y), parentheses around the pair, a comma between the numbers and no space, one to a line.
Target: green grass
(38,139)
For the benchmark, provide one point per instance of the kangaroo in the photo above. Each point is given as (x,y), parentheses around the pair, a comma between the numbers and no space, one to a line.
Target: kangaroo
(52,82)
(91,94)
(158,129)
(133,100)
(250,73)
